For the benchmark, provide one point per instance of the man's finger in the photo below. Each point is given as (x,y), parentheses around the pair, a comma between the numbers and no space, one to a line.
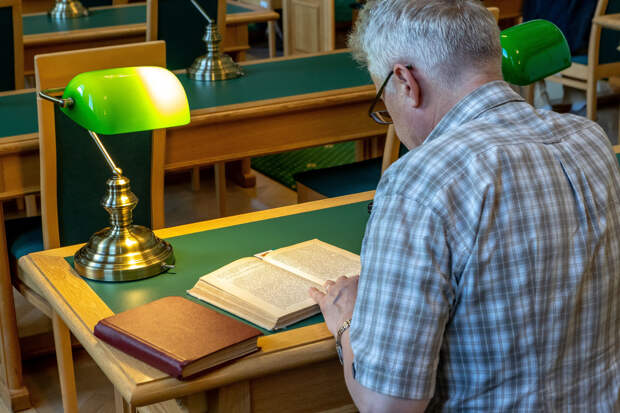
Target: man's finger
(315,294)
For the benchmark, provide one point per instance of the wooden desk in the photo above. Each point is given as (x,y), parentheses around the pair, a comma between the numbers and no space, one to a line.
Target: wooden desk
(280,105)
(295,370)
(122,24)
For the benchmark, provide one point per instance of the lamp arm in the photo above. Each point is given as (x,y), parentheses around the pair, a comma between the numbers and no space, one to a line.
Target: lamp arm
(63,103)
(115,169)
(202,11)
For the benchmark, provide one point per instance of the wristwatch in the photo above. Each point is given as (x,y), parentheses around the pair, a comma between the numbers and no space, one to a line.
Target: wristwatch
(339,334)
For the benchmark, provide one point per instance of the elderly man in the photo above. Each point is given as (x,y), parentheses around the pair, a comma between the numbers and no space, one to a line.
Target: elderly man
(491,261)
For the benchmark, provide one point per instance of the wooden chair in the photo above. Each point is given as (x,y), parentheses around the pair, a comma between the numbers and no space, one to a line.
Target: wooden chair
(271,25)
(73,175)
(182,27)
(11,45)
(602,60)
(164,20)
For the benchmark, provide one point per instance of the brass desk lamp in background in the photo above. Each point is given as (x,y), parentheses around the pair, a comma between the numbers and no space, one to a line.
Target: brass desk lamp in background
(215,65)
(67,9)
(116,101)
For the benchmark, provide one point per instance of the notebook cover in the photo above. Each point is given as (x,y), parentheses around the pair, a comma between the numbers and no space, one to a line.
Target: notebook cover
(172,332)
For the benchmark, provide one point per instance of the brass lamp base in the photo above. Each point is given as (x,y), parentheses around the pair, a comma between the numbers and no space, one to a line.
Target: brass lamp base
(130,254)
(122,251)
(67,9)
(215,65)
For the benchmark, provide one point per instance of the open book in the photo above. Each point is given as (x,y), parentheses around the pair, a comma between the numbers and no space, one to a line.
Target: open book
(271,288)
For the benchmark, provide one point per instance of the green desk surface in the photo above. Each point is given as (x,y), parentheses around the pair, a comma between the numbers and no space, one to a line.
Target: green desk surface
(18,114)
(203,252)
(114,16)
(278,79)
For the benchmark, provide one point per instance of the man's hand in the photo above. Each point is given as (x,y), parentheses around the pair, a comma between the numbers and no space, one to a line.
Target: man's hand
(338,301)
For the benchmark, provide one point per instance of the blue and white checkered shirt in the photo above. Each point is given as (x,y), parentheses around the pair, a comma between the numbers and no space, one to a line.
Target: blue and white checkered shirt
(491,265)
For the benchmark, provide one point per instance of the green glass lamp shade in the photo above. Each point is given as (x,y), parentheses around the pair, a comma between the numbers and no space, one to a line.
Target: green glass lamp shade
(532,51)
(128,99)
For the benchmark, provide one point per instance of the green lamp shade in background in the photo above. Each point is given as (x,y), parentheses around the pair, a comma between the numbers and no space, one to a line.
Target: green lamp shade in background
(128,99)
(532,51)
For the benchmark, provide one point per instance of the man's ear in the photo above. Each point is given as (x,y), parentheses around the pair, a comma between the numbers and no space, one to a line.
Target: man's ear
(408,83)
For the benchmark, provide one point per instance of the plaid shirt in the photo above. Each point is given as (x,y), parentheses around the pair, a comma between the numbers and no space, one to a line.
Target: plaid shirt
(491,265)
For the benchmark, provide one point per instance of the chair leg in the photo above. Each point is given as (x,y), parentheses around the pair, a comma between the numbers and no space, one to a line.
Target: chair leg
(591,94)
(10,355)
(64,358)
(220,188)
(271,38)
(196,179)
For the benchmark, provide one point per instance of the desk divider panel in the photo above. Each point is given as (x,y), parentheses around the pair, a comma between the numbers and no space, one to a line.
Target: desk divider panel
(200,253)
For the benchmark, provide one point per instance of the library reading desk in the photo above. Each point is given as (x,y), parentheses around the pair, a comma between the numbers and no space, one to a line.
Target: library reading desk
(123,24)
(280,105)
(295,369)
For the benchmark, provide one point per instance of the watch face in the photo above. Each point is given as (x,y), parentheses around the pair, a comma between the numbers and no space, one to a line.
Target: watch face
(339,351)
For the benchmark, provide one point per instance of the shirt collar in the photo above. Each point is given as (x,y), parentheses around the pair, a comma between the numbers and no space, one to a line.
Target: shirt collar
(481,100)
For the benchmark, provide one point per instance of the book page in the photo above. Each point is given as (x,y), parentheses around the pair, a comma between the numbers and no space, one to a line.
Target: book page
(273,289)
(316,261)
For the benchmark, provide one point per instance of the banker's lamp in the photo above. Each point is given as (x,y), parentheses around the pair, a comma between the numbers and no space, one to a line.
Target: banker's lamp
(67,9)
(116,101)
(215,65)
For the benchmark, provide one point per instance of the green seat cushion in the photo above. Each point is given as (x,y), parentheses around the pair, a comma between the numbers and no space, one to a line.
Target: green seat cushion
(618,156)
(82,174)
(581,59)
(344,179)
(23,236)
(7,68)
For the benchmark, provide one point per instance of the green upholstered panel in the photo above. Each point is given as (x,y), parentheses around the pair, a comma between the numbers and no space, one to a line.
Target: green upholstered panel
(7,68)
(201,253)
(343,12)
(116,16)
(182,27)
(618,156)
(83,172)
(610,39)
(278,79)
(18,114)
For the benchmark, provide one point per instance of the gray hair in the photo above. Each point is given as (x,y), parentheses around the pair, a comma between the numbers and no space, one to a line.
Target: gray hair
(440,37)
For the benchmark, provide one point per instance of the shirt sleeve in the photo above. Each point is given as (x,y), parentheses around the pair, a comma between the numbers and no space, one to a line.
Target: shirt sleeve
(404,300)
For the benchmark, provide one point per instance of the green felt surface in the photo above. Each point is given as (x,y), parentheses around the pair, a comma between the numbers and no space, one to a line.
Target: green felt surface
(262,81)
(234,9)
(18,114)
(7,49)
(117,16)
(278,79)
(203,252)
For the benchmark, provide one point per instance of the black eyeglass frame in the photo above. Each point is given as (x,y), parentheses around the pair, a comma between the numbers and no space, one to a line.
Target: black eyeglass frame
(381,116)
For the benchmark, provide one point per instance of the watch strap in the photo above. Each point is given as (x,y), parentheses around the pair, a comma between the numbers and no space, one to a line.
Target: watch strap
(345,325)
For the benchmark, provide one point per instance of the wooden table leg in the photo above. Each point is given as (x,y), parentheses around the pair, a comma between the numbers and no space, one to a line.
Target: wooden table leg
(196,179)
(16,394)
(64,358)
(120,405)
(220,187)
(232,398)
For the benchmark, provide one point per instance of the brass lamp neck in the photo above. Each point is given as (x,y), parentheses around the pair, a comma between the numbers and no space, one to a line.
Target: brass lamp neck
(115,169)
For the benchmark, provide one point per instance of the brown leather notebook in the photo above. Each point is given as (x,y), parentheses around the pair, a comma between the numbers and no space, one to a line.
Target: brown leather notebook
(178,336)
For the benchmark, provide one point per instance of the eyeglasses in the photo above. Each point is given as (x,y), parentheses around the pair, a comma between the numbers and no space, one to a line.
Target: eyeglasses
(382,117)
